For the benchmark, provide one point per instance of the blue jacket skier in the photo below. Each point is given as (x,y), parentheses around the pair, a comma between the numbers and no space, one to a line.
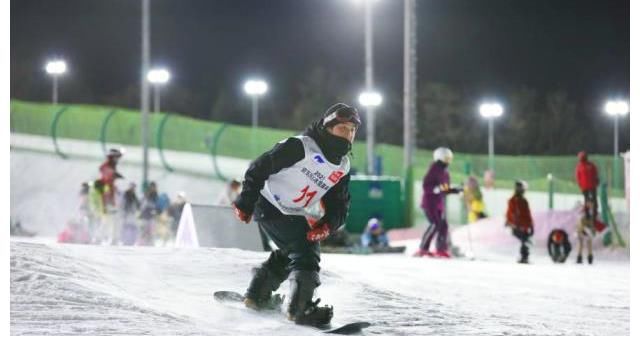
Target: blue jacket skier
(298,193)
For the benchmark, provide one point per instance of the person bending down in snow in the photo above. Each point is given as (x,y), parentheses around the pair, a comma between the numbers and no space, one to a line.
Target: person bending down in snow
(435,187)
(558,245)
(282,188)
(519,220)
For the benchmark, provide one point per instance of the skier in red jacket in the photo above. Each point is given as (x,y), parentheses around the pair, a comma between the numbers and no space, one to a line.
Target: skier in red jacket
(587,178)
(519,219)
(108,174)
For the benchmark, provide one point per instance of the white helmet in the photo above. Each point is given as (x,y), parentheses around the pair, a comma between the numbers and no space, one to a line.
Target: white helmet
(443,154)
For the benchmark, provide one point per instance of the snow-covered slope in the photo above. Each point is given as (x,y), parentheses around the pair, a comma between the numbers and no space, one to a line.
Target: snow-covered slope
(102,290)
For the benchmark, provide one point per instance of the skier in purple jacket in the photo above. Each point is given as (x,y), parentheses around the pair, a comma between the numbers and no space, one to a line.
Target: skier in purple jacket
(435,187)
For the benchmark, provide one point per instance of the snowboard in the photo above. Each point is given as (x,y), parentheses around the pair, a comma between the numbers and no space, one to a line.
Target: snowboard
(347,329)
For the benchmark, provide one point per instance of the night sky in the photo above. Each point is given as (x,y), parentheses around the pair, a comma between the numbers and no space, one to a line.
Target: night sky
(581,46)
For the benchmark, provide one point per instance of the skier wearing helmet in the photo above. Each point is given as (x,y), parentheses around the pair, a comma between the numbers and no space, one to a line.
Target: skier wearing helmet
(519,219)
(284,189)
(436,187)
(108,174)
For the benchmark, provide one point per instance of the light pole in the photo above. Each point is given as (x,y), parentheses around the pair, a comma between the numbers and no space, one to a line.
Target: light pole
(157,77)
(144,91)
(616,109)
(56,68)
(370,100)
(490,112)
(368,74)
(255,89)
(409,100)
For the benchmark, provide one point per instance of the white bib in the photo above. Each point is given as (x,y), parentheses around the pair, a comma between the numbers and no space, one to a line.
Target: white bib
(296,190)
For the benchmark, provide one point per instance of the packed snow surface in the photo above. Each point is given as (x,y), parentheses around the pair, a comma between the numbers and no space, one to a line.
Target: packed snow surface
(59,289)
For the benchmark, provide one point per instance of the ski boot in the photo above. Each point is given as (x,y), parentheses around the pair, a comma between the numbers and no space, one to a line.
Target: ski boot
(266,279)
(579,260)
(302,309)
(442,254)
(590,259)
(422,253)
(524,260)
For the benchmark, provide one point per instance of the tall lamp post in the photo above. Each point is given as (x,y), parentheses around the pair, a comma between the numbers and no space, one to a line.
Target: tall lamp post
(55,69)
(255,89)
(370,100)
(490,112)
(616,109)
(158,77)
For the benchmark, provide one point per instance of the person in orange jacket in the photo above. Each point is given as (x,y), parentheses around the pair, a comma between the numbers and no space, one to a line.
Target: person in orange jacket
(519,219)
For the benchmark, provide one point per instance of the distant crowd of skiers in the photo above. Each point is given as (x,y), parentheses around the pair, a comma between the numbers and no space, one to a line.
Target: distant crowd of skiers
(436,186)
(108,216)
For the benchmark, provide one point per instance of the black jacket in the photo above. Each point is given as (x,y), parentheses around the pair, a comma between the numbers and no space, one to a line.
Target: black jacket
(336,200)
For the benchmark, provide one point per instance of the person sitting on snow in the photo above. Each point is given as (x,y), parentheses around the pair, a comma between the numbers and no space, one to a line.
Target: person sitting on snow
(374,235)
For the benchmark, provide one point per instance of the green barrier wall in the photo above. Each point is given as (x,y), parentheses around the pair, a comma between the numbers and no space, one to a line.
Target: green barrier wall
(380,197)
(182,133)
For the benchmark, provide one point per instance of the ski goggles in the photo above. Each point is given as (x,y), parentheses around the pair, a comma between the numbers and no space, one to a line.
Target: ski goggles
(342,115)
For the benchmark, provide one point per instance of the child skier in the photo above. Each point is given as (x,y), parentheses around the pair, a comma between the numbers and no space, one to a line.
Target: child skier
(280,189)
(472,196)
(519,219)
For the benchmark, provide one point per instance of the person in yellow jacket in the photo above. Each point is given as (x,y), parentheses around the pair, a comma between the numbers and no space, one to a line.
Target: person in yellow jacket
(473,200)
(96,211)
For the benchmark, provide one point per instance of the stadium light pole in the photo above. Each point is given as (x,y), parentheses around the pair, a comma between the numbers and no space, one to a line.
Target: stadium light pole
(409,99)
(490,112)
(158,77)
(616,109)
(144,92)
(255,89)
(370,100)
(55,68)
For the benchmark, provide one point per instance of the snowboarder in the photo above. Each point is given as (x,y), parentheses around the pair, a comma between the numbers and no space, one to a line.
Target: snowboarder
(435,187)
(519,219)
(281,188)
(558,245)
(374,235)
